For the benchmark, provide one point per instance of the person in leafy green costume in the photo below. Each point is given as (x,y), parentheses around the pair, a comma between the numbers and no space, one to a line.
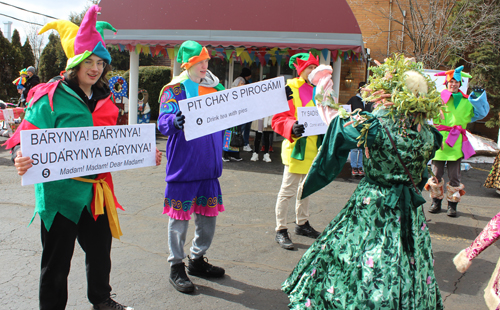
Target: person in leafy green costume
(376,253)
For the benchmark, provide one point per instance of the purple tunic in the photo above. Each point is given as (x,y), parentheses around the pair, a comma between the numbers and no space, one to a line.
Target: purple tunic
(193,167)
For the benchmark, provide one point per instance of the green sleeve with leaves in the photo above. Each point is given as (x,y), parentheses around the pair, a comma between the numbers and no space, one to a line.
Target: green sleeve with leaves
(332,155)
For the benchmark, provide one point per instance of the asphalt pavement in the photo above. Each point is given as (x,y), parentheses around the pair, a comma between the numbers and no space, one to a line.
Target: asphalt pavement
(244,241)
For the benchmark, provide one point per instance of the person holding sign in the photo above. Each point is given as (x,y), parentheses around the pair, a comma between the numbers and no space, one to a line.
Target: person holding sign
(297,153)
(460,109)
(192,172)
(70,209)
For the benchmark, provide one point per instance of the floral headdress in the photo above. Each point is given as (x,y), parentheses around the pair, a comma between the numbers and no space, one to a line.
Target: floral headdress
(401,86)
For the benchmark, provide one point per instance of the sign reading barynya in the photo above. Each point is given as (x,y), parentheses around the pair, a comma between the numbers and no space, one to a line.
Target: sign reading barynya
(63,153)
(232,107)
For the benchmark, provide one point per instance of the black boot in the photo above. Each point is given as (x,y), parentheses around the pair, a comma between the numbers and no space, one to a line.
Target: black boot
(179,278)
(307,230)
(452,209)
(201,268)
(435,206)
(284,240)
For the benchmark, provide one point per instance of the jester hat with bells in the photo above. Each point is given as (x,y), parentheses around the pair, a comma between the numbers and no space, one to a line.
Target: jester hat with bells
(301,61)
(81,42)
(456,74)
(190,53)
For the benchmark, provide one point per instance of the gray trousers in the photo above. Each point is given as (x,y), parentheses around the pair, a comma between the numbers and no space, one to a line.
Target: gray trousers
(454,173)
(203,236)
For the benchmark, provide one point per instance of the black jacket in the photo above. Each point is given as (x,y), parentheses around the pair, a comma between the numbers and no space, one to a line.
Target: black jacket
(30,83)
(357,103)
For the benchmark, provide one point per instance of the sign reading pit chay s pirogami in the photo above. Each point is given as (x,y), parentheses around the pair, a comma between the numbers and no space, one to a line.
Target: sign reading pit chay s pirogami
(232,107)
(63,153)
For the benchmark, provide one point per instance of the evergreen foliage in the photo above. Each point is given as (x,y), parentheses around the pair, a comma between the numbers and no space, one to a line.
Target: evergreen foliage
(9,58)
(482,53)
(53,60)
(28,56)
(16,44)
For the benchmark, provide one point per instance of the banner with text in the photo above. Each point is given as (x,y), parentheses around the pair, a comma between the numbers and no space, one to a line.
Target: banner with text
(232,107)
(63,153)
(313,124)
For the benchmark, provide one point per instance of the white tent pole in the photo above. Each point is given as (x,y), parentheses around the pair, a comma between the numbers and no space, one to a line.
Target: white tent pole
(177,67)
(133,88)
(337,65)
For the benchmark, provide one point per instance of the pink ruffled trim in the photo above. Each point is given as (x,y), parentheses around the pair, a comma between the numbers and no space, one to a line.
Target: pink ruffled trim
(186,215)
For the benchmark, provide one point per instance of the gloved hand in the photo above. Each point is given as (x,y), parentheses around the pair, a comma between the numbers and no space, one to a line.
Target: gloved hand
(179,120)
(478,91)
(289,93)
(298,129)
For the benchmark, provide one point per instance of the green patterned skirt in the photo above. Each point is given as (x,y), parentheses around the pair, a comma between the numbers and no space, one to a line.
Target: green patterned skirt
(371,256)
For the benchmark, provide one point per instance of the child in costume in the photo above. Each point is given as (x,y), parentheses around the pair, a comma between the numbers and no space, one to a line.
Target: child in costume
(489,235)
(193,169)
(70,209)
(459,110)
(376,253)
(19,82)
(297,153)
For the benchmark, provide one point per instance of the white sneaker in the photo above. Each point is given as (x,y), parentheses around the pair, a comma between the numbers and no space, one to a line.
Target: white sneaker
(255,157)
(267,158)
(247,148)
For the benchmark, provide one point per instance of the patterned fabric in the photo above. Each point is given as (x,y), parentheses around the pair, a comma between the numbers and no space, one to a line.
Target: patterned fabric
(454,194)
(436,190)
(487,237)
(493,179)
(193,167)
(168,102)
(185,206)
(376,254)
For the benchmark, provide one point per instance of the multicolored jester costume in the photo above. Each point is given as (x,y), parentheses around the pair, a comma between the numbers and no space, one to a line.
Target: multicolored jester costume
(55,105)
(459,110)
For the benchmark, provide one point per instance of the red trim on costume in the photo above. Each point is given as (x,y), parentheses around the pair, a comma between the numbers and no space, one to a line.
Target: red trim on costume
(16,138)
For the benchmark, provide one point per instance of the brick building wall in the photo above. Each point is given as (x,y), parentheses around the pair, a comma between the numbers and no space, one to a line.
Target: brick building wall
(375,31)
(162,61)
(357,70)
(375,26)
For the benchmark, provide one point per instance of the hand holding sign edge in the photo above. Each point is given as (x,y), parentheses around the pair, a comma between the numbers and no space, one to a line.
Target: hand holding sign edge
(179,120)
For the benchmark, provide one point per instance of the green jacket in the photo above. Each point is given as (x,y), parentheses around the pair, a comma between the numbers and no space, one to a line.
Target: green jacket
(67,197)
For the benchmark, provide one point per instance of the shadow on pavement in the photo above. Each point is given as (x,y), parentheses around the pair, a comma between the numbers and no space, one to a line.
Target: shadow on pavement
(252,297)
(447,280)
(453,230)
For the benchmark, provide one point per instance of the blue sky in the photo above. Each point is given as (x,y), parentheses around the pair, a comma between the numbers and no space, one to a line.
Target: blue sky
(56,8)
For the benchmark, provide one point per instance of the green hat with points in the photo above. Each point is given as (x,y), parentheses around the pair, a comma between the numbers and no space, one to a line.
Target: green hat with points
(190,53)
